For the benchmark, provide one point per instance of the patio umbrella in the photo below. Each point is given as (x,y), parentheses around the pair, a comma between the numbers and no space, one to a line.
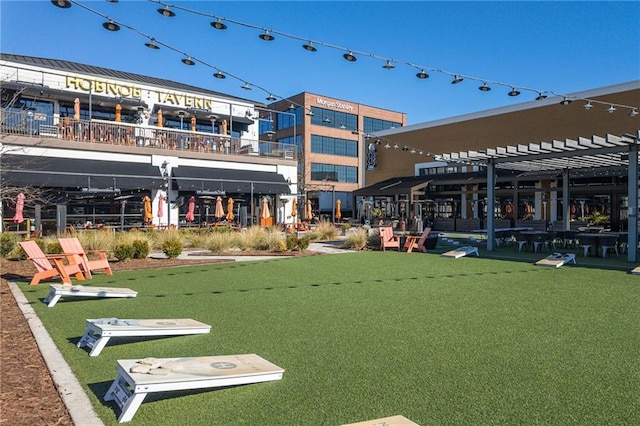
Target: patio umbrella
(219,213)
(76,109)
(193,124)
(160,205)
(308,211)
(224,127)
(294,207)
(264,211)
(338,212)
(147,216)
(160,120)
(230,215)
(192,206)
(118,113)
(18,218)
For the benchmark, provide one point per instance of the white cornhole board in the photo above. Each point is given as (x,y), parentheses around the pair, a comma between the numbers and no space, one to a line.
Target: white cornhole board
(100,330)
(56,291)
(461,252)
(636,270)
(557,260)
(129,389)
(387,421)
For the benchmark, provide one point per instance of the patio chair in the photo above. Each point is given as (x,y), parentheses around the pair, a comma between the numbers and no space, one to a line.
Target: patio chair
(586,242)
(50,266)
(522,240)
(73,251)
(387,239)
(608,243)
(417,241)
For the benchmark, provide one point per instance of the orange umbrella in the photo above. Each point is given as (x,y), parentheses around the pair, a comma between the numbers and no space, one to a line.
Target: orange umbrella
(193,124)
(309,211)
(192,207)
(160,204)
(338,213)
(118,112)
(147,215)
(219,210)
(264,211)
(224,127)
(230,215)
(160,121)
(76,109)
(18,218)
(294,207)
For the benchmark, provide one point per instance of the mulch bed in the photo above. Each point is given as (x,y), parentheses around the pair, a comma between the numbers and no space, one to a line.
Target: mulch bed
(28,394)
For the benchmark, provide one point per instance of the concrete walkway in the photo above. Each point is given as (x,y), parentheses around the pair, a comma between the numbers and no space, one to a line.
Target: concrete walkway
(72,393)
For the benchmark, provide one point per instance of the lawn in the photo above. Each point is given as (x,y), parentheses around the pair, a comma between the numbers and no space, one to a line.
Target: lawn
(374,334)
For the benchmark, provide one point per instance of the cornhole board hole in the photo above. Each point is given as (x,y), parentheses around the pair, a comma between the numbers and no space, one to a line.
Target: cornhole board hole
(636,270)
(100,330)
(138,377)
(557,260)
(462,252)
(387,421)
(56,291)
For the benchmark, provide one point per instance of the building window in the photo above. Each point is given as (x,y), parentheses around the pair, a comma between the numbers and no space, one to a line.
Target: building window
(334,173)
(334,119)
(286,120)
(372,125)
(334,146)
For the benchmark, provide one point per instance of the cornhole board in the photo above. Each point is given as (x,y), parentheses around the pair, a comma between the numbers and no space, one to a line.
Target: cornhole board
(56,291)
(636,270)
(100,330)
(557,260)
(386,421)
(129,389)
(462,252)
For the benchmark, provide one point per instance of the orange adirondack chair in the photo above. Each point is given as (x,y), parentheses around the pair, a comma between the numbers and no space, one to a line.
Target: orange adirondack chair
(417,242)
(47,269)
(387,239)
(74,252)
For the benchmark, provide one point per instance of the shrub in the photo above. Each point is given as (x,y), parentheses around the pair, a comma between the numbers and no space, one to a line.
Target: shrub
(7,243)
(123,252)
(292,242)
(373,239)
(326,230)
(303,243)
(54,247)
(172,247)
(357,239)
(219,242)
(141,249)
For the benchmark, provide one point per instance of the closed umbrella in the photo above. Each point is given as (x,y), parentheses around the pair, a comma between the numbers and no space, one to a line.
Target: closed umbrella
(190,210)
(264,211)
(160,119)
(147,216)
(193,124)
(338,212)
(309,211)
(118,113)
(230,215)
(224,127)
(219,213)
(18,218)
(160,205)
(294,207)
(76,109)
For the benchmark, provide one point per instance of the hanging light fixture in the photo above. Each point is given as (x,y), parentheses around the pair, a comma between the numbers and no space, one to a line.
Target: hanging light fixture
(422,75)
(309,113)
(271,98)
(413,151)
(587,106)
(63,4)
(541,96)
(266,36)
(219,75)
(633,112)
(188,61)
(309,46)
(565,101)
(456,79)
(388,65)
(484,87)
(355,132)
(246,86)
(112,1)
(291,107)
(349,56)
(218,24)
(611,109)
(343,127)
(166,12)
(387,146)
(513,92)
(326,120)
(111,26)
(396,146)
(151,44)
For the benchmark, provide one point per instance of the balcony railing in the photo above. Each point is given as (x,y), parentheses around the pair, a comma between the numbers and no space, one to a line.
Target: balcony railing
(36,125)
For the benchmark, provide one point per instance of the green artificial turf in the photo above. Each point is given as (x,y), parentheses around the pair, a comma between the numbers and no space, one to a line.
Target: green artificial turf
(374,334)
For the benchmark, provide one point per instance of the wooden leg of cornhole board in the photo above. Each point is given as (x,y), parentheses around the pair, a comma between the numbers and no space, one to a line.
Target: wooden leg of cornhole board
(128,401)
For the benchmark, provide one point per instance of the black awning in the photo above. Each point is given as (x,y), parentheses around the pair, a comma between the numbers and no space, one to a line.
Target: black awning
(210,180)
(94,175)
(394,186)
(200,114)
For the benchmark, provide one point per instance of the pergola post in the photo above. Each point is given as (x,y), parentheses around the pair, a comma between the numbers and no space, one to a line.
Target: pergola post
(632,189)
(566,199)
(491,204)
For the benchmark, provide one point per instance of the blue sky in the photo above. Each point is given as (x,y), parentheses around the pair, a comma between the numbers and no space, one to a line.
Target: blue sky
(562,47)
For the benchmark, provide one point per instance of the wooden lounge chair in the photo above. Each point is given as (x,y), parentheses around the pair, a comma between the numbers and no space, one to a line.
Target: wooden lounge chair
(50,266)
(417,241)
(73,250)
(387,239)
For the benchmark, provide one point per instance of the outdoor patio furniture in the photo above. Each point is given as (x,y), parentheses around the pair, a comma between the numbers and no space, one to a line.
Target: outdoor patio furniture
(586,241)
(57,291)
(47,269)
(74,251)
(417,241)
(387,239)
(607,243)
